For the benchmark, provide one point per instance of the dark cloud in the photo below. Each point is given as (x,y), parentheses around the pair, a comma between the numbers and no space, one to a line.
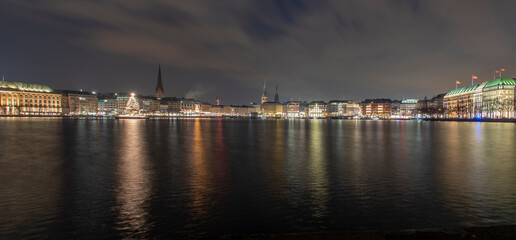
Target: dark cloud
(311,49)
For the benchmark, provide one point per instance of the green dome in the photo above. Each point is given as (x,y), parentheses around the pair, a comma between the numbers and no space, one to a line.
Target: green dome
(501,81)
(462,90)
(25,86)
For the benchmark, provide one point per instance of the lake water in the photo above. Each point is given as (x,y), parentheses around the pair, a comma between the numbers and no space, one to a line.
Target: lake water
(62,178)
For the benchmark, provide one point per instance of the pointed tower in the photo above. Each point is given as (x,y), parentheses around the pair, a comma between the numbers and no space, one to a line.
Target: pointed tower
(159,86)
(264,95)
(276,98)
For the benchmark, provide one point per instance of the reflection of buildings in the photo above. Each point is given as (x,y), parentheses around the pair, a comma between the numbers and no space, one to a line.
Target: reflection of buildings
(133,188)
(493,99)
(28,99)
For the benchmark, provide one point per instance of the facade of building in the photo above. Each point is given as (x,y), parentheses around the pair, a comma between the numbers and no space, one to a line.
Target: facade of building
(28,99)
(291,109)
(107,106)
(408,107)
(376,108)
(493,99)
(343,108)
(79,103)
(271,109)
(317,109)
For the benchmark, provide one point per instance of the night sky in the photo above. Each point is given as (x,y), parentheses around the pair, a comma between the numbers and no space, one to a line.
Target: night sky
(311,49)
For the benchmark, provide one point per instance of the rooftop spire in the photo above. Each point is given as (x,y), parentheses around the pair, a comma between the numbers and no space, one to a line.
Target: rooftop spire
(159,86)
(276,98)
(264,95)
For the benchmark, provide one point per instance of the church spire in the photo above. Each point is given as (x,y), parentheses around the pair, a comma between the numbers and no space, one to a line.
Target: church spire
(264,95)
(159,86)
(276,98)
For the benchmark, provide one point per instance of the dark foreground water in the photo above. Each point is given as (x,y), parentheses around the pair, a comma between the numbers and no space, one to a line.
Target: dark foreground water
(63,179)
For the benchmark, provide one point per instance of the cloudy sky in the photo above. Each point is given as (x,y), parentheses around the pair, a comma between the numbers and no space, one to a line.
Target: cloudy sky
(310,49)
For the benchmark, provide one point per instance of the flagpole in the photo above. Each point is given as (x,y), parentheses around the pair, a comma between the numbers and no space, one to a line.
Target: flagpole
(472,80)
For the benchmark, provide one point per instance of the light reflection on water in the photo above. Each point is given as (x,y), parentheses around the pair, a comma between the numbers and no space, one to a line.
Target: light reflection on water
(172,178)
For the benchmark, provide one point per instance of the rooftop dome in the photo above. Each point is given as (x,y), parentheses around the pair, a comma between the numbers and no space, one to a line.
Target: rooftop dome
(25,86)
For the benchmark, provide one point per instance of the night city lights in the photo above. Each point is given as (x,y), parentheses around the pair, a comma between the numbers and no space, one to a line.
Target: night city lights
(257,119)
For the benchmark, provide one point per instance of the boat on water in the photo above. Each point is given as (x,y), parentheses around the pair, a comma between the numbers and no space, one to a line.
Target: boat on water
(131,117)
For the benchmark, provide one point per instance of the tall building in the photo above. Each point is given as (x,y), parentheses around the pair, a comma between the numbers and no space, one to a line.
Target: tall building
(159,86)
(276,97)
(264,95)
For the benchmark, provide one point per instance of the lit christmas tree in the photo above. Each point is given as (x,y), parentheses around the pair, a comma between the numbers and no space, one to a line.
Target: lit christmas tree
(132,107)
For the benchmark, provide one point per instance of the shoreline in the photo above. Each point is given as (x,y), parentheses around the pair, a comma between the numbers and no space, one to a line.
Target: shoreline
(447,233)
(270,118)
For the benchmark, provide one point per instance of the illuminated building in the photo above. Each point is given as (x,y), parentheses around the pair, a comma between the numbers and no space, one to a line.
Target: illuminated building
(498,98)
(492,99)
(408,107)
(79,103)
(150,105)
(28,99)
(376,108)
(343,108)
(458,103)
(244,111)
(107,106)
(291,109)
(271,109)
(317,109)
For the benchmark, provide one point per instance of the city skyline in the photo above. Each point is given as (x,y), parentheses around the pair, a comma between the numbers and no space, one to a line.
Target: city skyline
(322,50)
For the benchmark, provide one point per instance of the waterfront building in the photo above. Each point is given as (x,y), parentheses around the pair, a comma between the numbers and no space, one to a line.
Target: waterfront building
(79,102)
(223,110)
(317,109)
(291,109)
(376,108)
(498,98)
(395,108)
(28,99)
(492,99)
(159,86)
(150,105)
(436,106)
(458,103)
(408,107)
(244,111)
(271,109)
(107,106)
(343,108)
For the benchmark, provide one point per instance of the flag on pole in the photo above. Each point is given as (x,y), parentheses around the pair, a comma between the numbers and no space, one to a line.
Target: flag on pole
(496,71)
(457,82)
(503,69)
(475,77)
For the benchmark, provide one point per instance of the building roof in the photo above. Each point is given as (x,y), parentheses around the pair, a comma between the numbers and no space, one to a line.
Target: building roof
(463,90)
(29,87)
(317,102)
(409,101)
(501,81)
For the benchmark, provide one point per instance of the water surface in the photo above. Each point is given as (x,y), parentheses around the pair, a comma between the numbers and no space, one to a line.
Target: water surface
(90,179)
